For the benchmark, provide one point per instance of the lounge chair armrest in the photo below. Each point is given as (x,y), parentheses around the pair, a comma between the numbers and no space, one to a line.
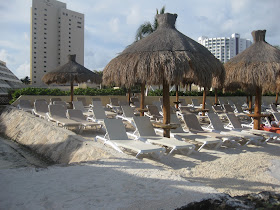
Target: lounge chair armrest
(132,136)
(100,138)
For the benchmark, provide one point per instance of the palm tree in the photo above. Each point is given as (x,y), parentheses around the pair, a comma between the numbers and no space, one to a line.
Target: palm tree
(26,80)
(148,28)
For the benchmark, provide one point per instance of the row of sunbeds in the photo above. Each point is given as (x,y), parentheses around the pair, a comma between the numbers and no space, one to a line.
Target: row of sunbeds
(145,138)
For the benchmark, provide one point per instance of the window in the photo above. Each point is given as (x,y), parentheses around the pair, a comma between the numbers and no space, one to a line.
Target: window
(45,33)
(69,45)
(45,71)
(69,19)
(45,14)
(45,47)
(45,24)
(35,18)
(45,56)
(45,42)
(34,71)
(35,13)
(45,29)
(34,67)
(69,50)
(79,26)
(69,28)
(34,57)
(34,47)
(34,62)
(45,61)
(69,32)
(69,41)
(35,42)
(35,33)
(45,66)
(35,28)
(45,52)
(45,9)
(34,81)
(79,22)
(34,37)
(35,8)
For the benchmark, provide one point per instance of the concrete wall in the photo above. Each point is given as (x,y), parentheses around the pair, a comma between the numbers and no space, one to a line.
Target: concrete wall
(45,138)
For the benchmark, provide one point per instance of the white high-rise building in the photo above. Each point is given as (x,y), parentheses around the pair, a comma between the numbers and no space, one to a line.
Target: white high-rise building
(55,33)
(224,48)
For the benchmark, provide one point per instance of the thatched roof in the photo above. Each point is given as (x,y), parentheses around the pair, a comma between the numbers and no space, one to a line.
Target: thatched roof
(164,54)
(71,72)
(257,66)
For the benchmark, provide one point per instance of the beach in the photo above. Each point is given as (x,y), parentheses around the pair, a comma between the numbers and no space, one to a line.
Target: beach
(88,174)
(128,183)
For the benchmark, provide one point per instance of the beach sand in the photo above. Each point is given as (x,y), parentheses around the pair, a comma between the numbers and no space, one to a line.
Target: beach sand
(120,181)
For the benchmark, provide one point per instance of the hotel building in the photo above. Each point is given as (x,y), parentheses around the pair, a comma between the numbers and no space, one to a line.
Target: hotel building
(224,48)
(55,33)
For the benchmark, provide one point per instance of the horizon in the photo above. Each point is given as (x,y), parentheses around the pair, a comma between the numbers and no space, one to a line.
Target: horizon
(110,25)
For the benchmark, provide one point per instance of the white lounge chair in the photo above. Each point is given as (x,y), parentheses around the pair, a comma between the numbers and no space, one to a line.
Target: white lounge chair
(54,99)
(127,114)
(114,105)
(193,125)
(63,103)
(153,113)
(235,125)
(145,131)
(98,104)
(57,113)
(41,108)
(117,138)
(195,103)
(216,125)
(80,106)
(25,105)
(180,134)
(77,115)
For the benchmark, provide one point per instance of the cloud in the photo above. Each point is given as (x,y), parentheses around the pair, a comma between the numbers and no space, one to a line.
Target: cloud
(114,25)
(23,70)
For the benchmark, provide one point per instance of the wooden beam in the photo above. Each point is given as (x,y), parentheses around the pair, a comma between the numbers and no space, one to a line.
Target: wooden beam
(142,102)
(166,107)
(128,95)
(177,96)
(204,100)
(257,110)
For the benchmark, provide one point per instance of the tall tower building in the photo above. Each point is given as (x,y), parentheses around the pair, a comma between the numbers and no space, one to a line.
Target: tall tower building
(55,33)
(224,48)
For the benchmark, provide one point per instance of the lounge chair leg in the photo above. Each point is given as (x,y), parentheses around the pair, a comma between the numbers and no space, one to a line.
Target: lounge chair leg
(172,150)
(201,146)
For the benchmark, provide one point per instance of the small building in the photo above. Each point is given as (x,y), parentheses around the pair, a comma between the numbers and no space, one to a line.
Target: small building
(7,81)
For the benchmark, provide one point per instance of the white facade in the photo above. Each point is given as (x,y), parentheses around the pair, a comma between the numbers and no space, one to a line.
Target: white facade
(224,48)
(55,33)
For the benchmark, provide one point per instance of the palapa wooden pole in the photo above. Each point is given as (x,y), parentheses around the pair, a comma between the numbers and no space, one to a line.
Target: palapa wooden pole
(177,97)
(166,107)
(250,104)
(216,96)
(247,100)
(276,99)
(203,101)
(72,94)
(128,95)
(142,102)
(257,110)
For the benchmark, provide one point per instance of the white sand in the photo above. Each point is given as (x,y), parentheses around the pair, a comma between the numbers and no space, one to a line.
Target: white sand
(120,181)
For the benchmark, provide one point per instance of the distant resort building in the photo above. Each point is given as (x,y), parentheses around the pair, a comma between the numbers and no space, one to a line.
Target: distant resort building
(224,48)
(55,33)
(7,81)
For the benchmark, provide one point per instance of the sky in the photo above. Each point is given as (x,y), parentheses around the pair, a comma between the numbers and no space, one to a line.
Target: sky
(111,25)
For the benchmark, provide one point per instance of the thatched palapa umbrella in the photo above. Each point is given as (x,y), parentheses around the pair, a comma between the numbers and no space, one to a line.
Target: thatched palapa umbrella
(162,58)
(255,70)
(69,73)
